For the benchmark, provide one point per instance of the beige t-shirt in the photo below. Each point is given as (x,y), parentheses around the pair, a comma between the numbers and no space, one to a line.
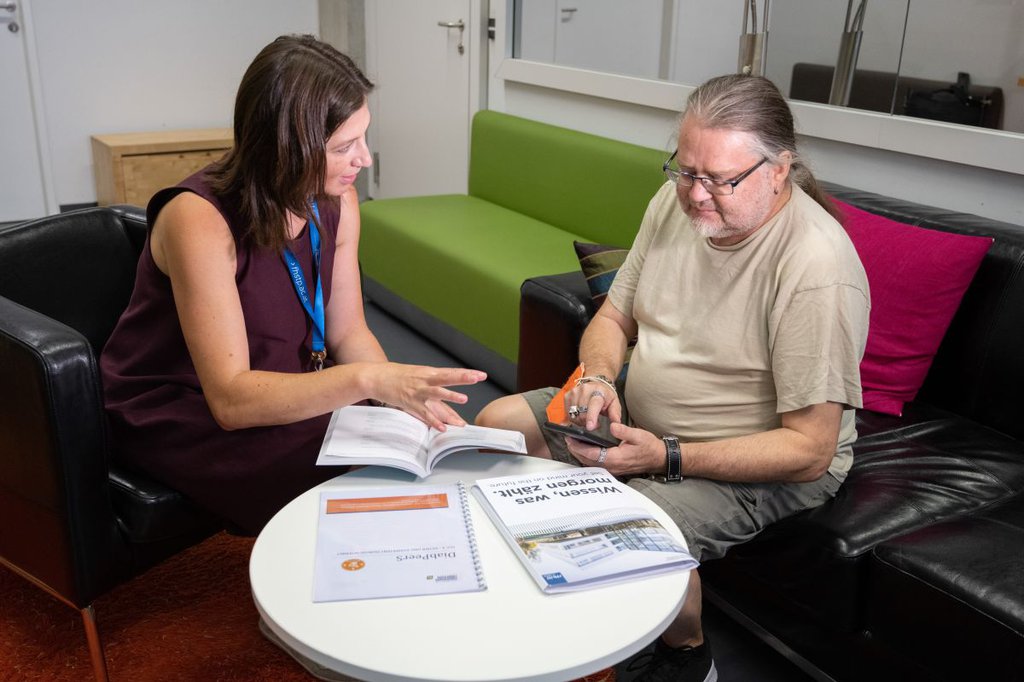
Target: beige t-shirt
(730,337)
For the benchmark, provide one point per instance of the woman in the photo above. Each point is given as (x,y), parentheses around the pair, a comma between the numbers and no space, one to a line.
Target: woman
(248,285)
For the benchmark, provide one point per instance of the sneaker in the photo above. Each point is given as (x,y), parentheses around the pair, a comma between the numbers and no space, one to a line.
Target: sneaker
(666,664)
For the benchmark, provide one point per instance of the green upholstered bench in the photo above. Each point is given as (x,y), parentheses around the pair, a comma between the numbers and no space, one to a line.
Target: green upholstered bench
(451,265)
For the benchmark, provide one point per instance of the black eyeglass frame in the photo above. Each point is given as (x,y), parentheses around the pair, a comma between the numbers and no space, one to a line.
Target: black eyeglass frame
(713,186)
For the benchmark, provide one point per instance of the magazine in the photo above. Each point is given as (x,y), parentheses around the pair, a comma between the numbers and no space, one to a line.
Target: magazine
(580,528)
(360,434)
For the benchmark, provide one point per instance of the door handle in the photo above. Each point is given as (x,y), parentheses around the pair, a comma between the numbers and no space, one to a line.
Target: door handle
(12,24)
(461,25)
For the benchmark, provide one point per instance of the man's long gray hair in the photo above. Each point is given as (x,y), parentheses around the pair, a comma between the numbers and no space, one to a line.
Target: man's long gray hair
(754,105)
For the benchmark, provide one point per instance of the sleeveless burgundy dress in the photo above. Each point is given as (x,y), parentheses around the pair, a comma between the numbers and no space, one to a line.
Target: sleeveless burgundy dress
(159,418)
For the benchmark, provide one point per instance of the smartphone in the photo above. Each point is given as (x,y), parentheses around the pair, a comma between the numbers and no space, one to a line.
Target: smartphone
(600,436)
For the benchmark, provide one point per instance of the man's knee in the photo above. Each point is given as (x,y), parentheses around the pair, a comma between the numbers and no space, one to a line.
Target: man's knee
(514,413)
(511,412)
(504,413)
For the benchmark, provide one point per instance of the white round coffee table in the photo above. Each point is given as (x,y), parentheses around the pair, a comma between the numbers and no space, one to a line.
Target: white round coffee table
(510,631)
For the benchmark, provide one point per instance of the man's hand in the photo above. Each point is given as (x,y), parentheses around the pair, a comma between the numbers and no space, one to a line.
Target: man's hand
(640,452)
(591,398)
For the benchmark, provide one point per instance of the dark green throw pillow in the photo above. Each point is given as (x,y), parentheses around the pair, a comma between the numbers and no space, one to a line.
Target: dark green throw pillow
(599,263)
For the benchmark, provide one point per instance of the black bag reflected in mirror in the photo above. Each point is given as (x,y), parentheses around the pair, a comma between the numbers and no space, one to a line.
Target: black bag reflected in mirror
(953,104)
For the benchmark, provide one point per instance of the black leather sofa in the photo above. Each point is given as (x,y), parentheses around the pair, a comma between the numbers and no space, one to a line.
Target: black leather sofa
(915,571)
(71,522)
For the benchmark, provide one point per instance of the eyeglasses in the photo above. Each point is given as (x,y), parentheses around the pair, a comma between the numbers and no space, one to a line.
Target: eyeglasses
(718,187)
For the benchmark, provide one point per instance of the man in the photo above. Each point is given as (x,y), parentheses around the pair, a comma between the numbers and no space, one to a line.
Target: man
(749,307)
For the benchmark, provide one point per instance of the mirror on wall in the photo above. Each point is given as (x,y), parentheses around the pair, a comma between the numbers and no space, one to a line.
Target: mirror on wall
(956,61)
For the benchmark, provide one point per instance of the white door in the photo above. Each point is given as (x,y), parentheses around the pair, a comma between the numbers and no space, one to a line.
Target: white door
(21,176)
(420,106)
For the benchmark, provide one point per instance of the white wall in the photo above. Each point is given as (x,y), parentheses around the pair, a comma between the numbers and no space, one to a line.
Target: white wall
(953,167)
(947,184)
(716,28)
(111,66)
(124,65)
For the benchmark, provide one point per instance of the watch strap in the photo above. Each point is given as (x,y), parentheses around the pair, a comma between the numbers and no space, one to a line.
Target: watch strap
(673,460)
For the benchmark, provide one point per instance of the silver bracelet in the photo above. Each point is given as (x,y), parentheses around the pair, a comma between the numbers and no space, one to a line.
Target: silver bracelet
(600,378)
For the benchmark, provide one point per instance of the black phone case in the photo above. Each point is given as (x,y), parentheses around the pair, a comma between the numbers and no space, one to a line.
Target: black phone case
(578,432)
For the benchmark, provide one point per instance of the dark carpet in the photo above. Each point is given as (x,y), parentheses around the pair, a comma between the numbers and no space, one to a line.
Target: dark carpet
(190,618)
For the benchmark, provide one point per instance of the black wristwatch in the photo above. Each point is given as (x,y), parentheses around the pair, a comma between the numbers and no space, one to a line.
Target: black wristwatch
(673,461)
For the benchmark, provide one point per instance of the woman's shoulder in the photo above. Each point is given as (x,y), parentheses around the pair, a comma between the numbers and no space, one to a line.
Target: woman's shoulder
(189,221)
(186,206)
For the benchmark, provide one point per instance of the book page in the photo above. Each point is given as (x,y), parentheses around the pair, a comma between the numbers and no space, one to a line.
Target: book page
(360,434)
(394,541)
(441,443)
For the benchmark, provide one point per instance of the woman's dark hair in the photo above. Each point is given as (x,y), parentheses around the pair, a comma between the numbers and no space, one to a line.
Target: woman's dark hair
(754,105)
(292,98)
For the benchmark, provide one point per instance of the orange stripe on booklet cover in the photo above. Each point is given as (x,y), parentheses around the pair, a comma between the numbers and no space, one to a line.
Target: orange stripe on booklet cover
(397,503)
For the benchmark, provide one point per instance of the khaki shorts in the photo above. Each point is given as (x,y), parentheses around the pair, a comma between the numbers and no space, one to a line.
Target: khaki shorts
(713,515)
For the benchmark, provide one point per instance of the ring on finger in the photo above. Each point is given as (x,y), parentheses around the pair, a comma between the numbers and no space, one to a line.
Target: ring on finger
(574,411)
(602,455)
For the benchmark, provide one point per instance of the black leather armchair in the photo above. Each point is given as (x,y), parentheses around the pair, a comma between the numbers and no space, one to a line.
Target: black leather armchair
(71,522)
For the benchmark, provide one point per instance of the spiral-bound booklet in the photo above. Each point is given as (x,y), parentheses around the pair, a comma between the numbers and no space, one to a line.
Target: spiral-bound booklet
(580,528)
(395,541)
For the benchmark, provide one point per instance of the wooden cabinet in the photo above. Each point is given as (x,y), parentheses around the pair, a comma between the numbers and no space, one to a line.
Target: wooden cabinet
(131,167)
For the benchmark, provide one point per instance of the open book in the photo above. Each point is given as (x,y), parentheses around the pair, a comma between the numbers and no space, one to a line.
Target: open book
(359,434)
(579,528)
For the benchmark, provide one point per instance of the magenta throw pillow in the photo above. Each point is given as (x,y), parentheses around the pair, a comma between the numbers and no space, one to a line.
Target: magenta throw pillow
(917,277)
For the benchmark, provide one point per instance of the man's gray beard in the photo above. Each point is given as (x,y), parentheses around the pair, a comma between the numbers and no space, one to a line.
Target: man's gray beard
(708,229)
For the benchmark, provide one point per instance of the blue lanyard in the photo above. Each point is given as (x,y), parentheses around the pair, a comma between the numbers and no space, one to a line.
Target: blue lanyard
(314,309)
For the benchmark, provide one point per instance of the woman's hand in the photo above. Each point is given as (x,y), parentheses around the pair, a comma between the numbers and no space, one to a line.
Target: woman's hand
(420,390)
(640,452)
